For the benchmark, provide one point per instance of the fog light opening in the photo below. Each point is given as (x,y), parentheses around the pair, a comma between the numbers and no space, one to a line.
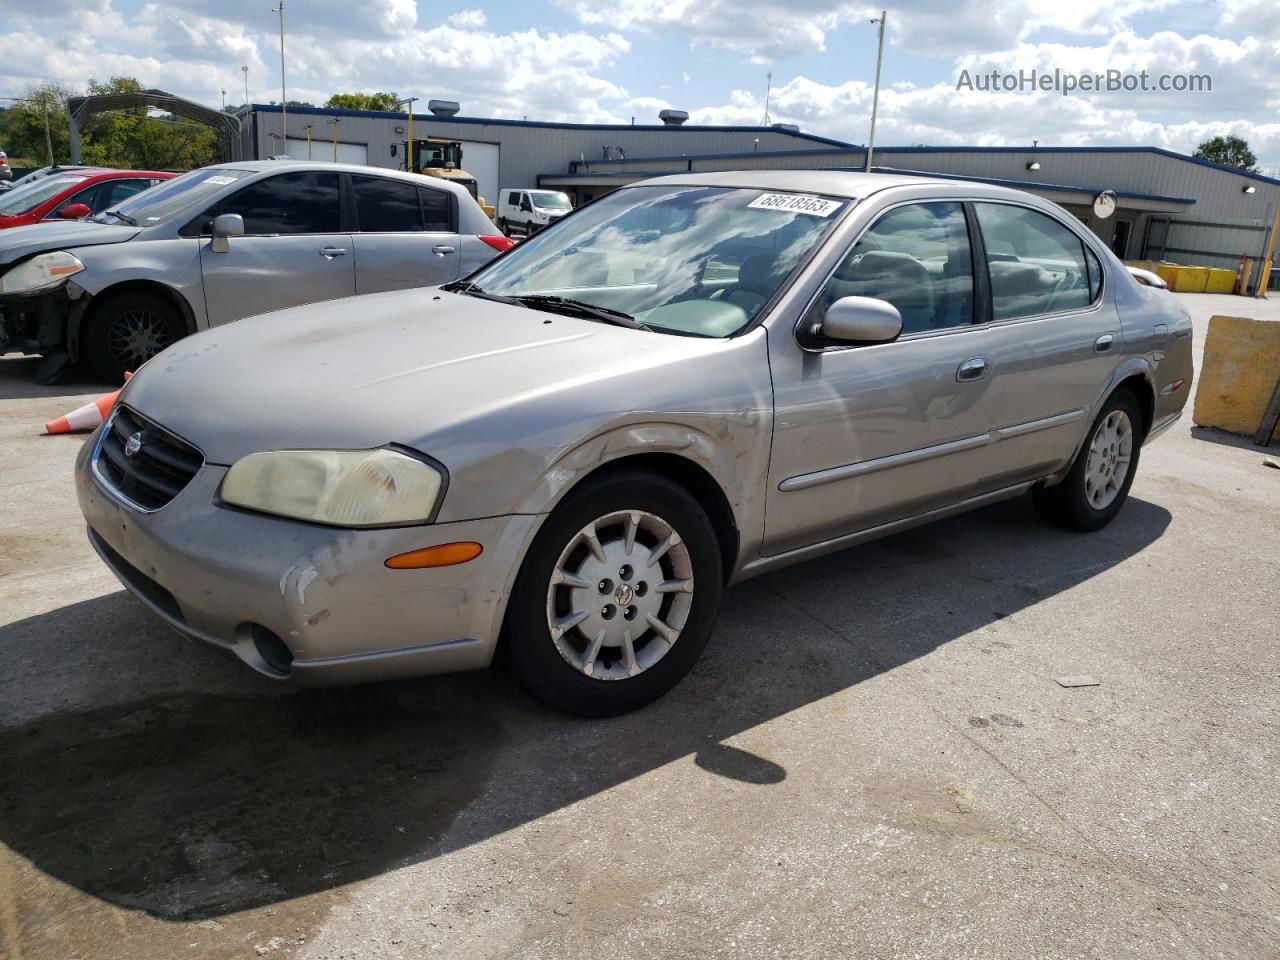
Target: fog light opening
(271,648)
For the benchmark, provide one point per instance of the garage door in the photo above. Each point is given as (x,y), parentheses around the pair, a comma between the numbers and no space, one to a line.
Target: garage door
(481,161)
(323,150)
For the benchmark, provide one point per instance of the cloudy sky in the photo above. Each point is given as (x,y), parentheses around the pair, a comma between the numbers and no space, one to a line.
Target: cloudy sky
(611,60)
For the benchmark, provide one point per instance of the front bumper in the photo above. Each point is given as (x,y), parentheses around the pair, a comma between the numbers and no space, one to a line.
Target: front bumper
(222,576)
(41,322)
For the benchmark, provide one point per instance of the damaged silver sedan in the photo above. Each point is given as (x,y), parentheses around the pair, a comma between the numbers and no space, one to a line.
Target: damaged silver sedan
(562,460)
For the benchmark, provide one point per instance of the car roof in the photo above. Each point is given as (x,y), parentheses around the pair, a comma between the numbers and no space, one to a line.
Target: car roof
(835,183)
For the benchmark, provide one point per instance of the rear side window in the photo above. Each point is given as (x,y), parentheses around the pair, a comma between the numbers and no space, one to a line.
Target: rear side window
(437,210)
(1037,265)
(386,206)
(289,203)
(917,257)
(1095,274)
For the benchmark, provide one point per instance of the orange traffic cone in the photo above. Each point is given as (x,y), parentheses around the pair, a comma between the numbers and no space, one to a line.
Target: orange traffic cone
(87,417)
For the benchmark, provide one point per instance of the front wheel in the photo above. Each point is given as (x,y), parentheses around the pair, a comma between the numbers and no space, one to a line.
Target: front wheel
(616,597)
(126,331)
(1098,483)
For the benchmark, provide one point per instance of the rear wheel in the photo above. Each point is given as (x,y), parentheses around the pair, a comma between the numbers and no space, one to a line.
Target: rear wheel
(126,331)
(616,598)
(1098,483)
(504,227)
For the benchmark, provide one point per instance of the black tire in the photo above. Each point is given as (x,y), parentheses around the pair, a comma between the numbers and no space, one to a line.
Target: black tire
(504,228)
(1069,504)
(527,646)
(124,332)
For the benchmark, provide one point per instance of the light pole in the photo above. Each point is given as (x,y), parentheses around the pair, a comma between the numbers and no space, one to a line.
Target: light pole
(284,99)
(409,102)
(308,129)
(334,121)
(245,70)
(224,99)
(875,97)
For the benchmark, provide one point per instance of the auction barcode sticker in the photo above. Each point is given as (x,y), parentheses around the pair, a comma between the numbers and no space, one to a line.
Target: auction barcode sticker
(796,203)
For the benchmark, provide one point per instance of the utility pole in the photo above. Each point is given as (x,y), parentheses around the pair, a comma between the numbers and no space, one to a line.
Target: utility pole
(875,97)
(224,99)
(284,99)
(48,138)
(308,129)
(245,70)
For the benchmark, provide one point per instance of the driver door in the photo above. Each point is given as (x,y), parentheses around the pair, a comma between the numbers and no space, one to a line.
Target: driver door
(868,434)
(293,250)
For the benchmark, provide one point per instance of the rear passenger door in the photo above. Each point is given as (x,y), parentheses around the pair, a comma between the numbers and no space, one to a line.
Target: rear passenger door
(406,235)
(1054,339)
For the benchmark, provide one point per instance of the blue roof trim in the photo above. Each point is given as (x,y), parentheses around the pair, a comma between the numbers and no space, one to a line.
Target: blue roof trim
(545,124)
(852,150)
(994,181)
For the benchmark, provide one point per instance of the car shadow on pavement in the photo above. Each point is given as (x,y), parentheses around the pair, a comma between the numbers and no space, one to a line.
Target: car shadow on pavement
(17,381)
(196,805)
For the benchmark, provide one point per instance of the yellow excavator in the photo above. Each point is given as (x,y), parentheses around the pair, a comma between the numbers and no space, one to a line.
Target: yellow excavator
(433,157)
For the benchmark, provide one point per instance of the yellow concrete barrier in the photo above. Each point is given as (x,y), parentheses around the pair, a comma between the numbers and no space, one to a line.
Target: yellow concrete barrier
(1190,280)
(1241,364)
(1220,281)
(1168,272)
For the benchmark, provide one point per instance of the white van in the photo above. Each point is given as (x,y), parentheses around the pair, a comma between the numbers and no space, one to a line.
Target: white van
(528,211)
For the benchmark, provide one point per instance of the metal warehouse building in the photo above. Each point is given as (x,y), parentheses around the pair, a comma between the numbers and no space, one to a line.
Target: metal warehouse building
(1170,206)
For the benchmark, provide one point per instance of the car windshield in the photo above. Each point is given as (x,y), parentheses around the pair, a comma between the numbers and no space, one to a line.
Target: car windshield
(173,197)
(702,261)
(550,201)
(24,199)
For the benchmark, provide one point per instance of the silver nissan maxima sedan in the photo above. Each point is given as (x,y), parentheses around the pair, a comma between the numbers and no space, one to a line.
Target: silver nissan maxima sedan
(563,459)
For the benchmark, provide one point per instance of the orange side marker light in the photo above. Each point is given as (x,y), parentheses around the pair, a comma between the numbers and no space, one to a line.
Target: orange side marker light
(444,555)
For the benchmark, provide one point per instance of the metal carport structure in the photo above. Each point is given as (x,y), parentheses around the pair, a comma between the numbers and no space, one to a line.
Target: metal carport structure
(226,124)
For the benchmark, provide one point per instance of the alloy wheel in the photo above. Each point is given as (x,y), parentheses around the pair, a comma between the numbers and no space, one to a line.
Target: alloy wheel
(135,336)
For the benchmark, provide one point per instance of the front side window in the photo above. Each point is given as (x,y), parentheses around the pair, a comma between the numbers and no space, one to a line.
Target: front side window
(290,203)
(1036,264)
(386,206)
(550,201)
(916,257)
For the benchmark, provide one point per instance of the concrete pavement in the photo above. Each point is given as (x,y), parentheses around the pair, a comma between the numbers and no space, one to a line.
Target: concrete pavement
(872,759)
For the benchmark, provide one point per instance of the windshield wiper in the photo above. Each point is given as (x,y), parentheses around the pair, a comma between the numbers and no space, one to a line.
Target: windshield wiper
(121,216)
(580,308)
(470,289)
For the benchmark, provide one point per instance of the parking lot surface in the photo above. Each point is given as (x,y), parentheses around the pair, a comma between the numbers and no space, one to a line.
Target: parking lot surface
(873,758)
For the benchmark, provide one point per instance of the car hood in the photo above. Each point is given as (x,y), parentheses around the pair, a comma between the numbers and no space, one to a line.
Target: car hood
(413,367)
(17,243)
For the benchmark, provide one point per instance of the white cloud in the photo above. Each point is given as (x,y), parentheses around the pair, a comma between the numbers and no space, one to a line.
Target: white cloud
(468,20)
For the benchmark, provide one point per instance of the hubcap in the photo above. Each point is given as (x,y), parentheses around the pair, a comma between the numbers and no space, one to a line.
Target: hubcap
(1110,451)
(136,336)
(620,594)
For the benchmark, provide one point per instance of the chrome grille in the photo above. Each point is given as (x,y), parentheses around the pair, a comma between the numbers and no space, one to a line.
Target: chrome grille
(143,462)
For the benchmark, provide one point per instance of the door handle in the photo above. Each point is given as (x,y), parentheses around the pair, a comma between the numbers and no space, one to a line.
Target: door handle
(1103,343)
(442,249)
(974,368)
(330,252)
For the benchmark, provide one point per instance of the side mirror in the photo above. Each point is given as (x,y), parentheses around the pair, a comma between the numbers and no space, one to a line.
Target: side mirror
(74,211)
(862,320)
(226,226)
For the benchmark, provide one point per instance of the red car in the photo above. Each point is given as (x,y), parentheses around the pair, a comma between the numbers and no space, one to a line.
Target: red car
(73,194)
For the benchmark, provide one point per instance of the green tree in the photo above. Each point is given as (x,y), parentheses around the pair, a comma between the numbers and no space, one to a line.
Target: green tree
(1232,151)
(25,127)
(385,102)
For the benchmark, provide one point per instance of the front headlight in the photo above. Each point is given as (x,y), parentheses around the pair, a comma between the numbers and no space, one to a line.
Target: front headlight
(45,270)
(345,488)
